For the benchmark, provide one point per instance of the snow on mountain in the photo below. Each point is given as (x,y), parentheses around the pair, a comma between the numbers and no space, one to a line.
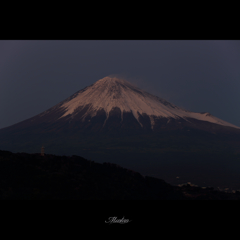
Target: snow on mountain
(110,92)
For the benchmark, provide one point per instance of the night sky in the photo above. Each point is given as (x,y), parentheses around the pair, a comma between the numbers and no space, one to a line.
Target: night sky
(198,75)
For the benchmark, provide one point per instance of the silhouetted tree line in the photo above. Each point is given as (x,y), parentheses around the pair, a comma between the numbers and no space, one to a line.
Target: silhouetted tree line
(31,176)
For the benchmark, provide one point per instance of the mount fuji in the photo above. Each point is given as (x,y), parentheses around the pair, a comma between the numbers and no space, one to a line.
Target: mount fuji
(112,103)
(112,94)
(114,120)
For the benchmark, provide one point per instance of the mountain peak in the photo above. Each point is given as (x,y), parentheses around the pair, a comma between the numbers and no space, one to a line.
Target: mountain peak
(112,92)
(111,81)
(108,93)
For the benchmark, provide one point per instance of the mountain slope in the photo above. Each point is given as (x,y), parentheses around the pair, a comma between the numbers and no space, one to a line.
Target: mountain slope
(113,93)
(109,93)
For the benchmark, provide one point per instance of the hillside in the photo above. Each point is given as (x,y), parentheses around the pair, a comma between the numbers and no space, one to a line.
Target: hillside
(31,176)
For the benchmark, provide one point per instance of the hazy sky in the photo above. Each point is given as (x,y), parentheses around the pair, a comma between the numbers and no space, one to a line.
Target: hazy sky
(198,75)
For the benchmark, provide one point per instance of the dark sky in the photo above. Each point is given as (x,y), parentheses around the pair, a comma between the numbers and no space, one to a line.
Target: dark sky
(198,75)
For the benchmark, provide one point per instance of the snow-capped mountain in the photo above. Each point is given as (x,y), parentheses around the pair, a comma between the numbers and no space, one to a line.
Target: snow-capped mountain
(111,94)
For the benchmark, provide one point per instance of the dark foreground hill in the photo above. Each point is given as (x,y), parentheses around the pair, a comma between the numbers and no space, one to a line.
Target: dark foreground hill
(31,176)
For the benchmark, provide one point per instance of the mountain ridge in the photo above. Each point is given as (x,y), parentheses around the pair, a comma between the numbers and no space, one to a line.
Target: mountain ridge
(33,177)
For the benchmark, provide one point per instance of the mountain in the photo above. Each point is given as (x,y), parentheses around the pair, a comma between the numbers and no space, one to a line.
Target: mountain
(115,104)
(113,96)
(113,120)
